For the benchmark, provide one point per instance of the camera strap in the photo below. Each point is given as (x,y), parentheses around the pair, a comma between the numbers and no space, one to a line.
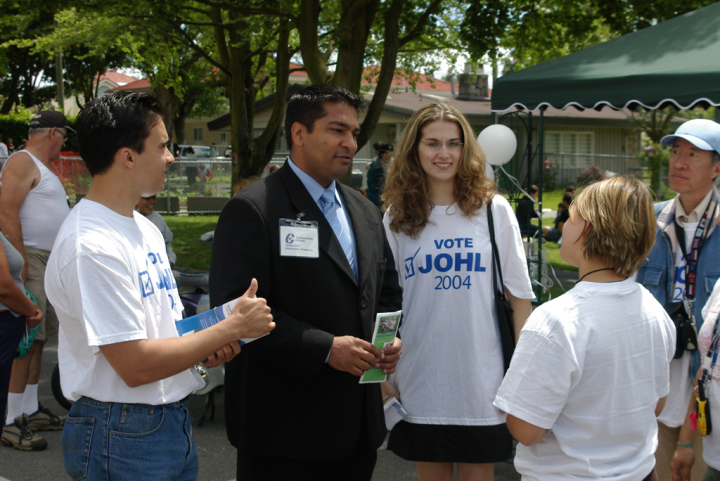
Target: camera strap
(691,259)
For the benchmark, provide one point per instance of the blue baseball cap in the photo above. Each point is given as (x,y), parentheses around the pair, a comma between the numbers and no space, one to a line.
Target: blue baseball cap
(702,133)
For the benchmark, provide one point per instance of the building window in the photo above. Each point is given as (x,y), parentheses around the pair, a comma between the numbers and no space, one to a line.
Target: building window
(198,133)
(560,145)
(222,138)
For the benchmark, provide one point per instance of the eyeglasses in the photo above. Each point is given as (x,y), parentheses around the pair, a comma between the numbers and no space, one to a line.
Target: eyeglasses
(436,145)
(61,133)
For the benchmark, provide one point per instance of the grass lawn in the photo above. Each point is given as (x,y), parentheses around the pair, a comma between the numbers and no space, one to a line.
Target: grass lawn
(196,255)
(186,232)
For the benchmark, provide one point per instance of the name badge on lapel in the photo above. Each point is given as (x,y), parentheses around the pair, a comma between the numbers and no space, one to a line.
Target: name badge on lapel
(299,238)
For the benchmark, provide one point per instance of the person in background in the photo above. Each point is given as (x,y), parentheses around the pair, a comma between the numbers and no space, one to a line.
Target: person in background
(525,212)
(591,370)
(437,199)
(33,206)
(377,174)
(685,230)
(376,148)
(146,207)
(554,234)
(10,146)
(3,149)
(17,314)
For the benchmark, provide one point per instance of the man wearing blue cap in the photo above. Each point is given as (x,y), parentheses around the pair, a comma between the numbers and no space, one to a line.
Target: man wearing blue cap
(682,269)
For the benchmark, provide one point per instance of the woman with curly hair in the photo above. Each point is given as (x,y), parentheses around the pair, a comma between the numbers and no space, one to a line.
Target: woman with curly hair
(437,196)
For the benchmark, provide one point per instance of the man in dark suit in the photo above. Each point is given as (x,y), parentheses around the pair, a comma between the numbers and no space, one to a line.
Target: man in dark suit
(294,407)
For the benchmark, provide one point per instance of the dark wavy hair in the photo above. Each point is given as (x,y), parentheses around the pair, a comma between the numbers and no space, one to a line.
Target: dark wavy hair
(406,191)
(113,121)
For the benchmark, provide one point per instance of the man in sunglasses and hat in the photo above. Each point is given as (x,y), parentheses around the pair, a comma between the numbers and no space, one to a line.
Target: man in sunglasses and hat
(33,206)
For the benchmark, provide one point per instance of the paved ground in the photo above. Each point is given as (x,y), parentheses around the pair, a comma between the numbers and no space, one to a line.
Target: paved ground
(217,456)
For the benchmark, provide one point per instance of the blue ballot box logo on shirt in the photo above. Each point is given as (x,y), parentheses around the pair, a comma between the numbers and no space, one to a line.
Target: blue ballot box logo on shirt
(447,262)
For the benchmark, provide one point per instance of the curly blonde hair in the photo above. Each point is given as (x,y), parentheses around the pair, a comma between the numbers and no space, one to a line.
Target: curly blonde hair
(406,191)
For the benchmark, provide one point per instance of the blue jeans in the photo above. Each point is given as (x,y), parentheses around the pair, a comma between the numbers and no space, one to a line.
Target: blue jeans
(129,441)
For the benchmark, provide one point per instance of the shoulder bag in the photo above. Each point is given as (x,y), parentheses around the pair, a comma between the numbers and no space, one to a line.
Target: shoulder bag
(504,312)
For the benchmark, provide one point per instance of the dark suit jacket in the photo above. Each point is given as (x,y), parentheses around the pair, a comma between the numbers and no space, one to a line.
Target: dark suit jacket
(282,399)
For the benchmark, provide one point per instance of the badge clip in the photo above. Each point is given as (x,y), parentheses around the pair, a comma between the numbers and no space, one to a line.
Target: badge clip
(300,216)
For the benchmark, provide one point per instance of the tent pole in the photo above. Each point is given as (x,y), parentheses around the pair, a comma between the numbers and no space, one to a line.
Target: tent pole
(541,164)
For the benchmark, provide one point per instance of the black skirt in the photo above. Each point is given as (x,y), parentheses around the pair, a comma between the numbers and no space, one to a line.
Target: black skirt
(450,443)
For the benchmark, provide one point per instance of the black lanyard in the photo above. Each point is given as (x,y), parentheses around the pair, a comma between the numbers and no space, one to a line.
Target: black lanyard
(691,261)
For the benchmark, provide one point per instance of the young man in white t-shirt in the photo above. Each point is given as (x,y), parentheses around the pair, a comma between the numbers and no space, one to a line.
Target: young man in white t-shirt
(109,278)
(591,369)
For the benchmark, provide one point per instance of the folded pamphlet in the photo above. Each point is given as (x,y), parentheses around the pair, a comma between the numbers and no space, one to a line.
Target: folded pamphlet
(394,412)
(386,326)
(209,318)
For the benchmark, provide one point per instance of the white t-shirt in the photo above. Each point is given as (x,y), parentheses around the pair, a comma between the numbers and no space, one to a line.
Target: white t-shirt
(590,368)
(452,362)
(109,280)
(711,443)
(675,410)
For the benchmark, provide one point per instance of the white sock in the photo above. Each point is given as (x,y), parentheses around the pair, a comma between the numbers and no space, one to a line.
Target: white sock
(30,399)
(14,407)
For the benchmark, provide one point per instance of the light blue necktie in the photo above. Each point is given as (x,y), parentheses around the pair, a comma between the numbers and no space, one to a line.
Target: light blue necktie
(330,208)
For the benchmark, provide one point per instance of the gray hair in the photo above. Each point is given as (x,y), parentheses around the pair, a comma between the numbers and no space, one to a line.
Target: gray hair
(42,130)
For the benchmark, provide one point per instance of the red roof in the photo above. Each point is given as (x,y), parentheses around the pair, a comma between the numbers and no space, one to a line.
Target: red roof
(400,79)
(117,78)
(299,73)
(135,85)
(423,82)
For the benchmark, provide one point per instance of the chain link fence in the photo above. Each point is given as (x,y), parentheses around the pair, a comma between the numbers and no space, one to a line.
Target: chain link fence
(564,168)
(191,186)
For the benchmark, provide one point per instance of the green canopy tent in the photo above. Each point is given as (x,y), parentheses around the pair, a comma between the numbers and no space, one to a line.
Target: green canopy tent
(674,63)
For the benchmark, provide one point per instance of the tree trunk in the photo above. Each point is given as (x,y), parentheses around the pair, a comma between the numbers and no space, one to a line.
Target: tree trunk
(387,72)
(239,58)
(179,127)
(353,30)
(314,61)
(266,142)
(171,104)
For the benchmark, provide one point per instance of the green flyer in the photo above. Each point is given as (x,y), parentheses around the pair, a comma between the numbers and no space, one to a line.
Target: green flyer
(386,326)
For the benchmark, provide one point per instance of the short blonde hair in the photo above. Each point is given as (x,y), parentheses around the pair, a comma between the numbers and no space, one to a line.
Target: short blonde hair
(407,192)
(621,224)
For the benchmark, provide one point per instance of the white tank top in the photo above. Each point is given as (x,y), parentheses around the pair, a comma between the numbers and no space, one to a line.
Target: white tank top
(44,209)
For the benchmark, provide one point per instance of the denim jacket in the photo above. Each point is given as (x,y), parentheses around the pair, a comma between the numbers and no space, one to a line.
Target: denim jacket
(656,275)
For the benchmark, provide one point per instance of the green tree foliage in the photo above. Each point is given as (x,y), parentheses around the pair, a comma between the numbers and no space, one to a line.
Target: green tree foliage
(399,35)
(83,70)
(525,32)
(22,70)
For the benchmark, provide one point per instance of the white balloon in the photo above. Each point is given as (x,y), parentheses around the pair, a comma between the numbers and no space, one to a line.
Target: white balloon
(489,171)
(499,143)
